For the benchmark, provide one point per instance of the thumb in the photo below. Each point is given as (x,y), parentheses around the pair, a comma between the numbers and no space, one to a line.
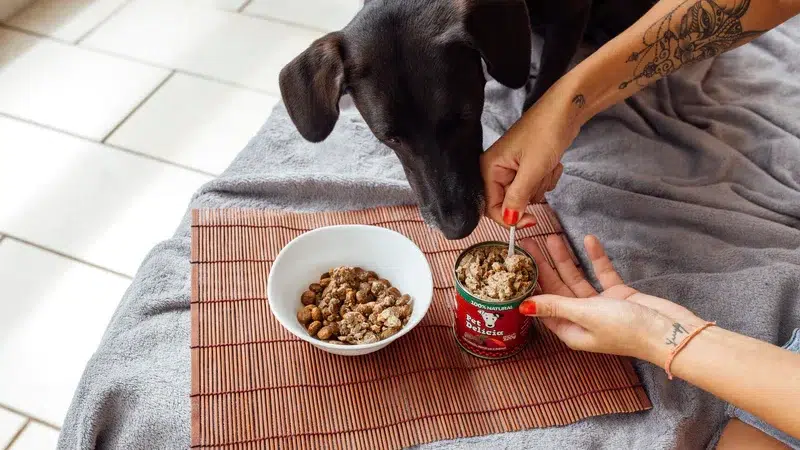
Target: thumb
(556,306)
(533,177)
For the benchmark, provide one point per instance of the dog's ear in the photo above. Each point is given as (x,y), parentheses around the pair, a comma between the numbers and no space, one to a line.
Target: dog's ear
(501,31)
(311,86)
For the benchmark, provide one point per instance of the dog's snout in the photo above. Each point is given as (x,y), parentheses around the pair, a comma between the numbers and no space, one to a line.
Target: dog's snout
(455,216)
(453,202)
(460,225)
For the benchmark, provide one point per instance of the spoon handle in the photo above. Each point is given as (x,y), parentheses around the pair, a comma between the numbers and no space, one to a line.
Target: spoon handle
(511,240)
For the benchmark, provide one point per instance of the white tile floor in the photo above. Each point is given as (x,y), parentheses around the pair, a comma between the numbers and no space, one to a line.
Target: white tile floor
(112,111)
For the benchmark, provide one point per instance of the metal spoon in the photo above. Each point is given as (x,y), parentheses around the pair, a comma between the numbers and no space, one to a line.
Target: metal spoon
(511,241)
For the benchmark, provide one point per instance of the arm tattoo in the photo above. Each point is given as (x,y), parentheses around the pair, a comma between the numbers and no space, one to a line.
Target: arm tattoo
(695,30)
(579,101)
(677,330)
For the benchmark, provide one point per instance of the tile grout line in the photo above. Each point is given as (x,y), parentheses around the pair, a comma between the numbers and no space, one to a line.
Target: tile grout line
(140,61)
(18,433)
(244,6)
(138,106)
(29,417)
(287,22)
(64,255)
(103,21)
(112,146)
(209,78)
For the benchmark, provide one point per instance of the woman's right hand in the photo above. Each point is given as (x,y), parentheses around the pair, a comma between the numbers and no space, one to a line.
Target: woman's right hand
(525,163)
(619,320)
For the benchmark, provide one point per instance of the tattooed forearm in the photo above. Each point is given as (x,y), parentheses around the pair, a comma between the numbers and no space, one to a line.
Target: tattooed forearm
(676,336)
(579,101)
(695,30)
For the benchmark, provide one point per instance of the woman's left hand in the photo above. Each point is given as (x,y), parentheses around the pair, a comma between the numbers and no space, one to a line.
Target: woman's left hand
(619,320)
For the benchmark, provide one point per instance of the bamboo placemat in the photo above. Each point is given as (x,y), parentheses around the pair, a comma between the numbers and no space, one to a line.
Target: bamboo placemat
(254,385)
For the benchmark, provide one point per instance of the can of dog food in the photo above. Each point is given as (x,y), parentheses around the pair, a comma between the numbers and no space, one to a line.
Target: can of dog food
(487,328)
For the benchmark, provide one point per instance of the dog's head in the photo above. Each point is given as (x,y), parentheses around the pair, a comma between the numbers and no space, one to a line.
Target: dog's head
(413,69)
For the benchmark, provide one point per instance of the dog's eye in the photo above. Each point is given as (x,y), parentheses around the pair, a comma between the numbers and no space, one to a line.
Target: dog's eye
(392,140)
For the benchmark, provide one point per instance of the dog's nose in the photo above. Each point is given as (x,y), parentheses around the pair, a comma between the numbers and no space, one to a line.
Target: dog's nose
(459,225)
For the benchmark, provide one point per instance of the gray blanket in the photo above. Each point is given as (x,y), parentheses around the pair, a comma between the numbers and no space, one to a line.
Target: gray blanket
(693,185)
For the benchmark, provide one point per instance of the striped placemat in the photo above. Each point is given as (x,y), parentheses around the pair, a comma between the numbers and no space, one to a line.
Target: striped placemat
(254,385)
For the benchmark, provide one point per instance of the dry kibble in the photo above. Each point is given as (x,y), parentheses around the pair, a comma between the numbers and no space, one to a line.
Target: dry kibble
(308,297)
(352,306)
(314,327)
(304,316)
(334,327)
(324,333)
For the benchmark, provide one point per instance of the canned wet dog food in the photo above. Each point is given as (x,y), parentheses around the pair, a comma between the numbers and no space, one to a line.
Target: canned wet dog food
(490,285)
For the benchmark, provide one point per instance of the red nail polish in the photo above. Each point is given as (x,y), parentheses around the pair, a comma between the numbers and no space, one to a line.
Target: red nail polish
(529,225)
(510,217)
(528,308)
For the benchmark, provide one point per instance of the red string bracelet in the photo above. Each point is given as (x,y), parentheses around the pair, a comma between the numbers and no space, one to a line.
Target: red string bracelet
(683,344)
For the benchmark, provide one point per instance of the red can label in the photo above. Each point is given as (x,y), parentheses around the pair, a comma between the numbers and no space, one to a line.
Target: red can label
(490,331)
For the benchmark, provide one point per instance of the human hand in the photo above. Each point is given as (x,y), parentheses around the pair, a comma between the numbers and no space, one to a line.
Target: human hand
(524,163)
(620,320)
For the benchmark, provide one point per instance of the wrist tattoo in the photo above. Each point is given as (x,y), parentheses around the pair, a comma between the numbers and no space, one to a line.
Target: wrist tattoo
(695,30)
(677,331)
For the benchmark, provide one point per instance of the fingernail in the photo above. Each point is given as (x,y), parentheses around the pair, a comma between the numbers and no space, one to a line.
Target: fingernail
(528,308)
(510,217)
(529,225)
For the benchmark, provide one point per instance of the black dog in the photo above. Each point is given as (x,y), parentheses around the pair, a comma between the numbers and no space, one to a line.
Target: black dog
(413,69)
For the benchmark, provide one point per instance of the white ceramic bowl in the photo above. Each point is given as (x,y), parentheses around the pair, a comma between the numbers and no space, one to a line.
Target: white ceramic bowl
(390,254)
